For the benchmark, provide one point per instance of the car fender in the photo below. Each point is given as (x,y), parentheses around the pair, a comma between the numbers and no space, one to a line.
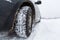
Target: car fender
(12,14)
(10,17)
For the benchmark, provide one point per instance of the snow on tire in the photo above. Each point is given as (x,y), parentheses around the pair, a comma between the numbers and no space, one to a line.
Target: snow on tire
(24,19)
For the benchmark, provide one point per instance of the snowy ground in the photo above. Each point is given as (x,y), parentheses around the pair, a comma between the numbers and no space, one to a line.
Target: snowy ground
(47,29)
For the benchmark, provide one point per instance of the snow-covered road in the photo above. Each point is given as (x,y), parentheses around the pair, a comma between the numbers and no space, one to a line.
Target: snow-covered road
(47,29)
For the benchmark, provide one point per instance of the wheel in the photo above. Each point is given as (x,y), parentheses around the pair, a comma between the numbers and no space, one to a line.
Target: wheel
(23,21)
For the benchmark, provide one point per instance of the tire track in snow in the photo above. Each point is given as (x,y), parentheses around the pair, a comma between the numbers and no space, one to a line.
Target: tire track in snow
(50,18)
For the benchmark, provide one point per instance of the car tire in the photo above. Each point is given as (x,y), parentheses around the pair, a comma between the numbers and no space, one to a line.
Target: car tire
(23,21)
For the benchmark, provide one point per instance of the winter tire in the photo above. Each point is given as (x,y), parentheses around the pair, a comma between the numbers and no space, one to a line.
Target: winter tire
(23,21)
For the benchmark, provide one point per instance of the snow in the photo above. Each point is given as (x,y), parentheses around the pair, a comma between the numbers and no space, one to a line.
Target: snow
(50,8)
(47,29)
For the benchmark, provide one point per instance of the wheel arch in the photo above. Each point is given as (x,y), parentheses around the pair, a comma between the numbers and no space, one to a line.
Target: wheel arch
(29,3)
